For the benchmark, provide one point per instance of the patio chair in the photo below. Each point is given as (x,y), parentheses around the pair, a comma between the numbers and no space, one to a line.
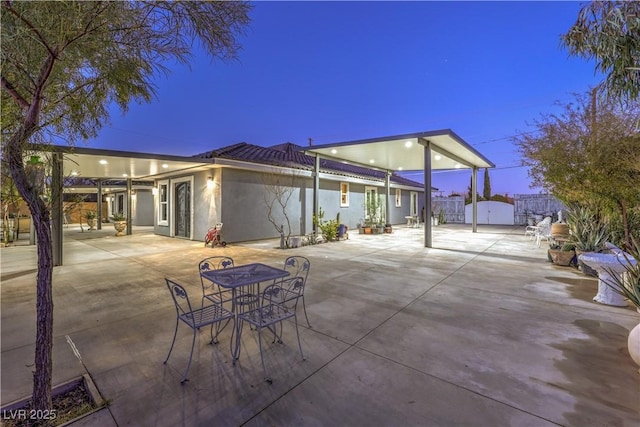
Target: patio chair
(544,231)
(532,230)
(210,290)
(297,266)
(195,319)
(271,312)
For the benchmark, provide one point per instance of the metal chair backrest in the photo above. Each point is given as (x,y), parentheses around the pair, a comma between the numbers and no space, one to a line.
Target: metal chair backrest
(215,263)
(297,266)
(209,264)
(181,301)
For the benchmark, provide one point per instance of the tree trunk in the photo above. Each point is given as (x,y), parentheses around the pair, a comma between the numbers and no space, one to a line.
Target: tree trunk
(40,214)
(625,224)
(42,376)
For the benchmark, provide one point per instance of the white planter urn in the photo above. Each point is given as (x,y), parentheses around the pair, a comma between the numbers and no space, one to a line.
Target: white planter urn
(633,342)
(120,226)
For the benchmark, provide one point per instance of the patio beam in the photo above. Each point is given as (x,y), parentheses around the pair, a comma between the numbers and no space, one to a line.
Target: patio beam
(428,235)
(56,207)
(474,198)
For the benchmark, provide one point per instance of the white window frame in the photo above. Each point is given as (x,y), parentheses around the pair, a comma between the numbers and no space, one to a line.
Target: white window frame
(398,198)
(369,192)
(163,221)
(414,203)
(344,194)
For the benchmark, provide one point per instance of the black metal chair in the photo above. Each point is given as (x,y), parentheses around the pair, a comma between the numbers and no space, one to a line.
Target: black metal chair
(195,319)
(272,312)
(297,266)
(210,290)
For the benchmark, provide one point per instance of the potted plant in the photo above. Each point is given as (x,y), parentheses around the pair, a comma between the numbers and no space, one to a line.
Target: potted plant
(627,284)
(119,223)
(329,228)
(587,233)
(562,254)
(90,216)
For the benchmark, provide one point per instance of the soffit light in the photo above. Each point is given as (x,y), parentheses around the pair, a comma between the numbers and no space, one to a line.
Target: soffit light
(408,144)
(164,165)
(334,151)
(103,162)
(437,157)
(372,161)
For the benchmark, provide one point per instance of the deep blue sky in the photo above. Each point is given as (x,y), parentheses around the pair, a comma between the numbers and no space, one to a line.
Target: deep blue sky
(339,71)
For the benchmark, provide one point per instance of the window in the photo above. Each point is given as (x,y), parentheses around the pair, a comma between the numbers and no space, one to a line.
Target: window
(344,194)
(414,203)
(163,203)
(371,204)
(398,197)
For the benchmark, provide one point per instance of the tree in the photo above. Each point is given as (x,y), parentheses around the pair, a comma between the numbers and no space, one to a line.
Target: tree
(609,32)
(591,160)
(486,189)
(278,190)
(64,64)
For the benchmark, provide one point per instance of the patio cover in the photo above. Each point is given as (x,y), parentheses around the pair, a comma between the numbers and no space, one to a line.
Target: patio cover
(427,151)
(102,165)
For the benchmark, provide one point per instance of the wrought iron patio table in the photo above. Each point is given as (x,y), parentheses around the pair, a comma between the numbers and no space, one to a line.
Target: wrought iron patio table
(244,281)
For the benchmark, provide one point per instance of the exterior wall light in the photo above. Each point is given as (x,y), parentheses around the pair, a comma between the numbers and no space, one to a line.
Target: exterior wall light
(210,182)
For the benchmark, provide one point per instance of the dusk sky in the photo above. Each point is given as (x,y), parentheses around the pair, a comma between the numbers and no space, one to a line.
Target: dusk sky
(342,71)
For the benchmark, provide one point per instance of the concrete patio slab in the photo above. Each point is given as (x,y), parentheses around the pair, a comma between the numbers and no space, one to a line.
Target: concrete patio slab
(480,330)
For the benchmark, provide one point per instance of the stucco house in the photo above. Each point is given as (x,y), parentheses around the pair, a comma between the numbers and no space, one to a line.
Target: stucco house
(236,184)
(244,179)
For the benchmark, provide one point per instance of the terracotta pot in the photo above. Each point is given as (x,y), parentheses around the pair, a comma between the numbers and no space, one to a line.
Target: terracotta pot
(559,229)
(563,258)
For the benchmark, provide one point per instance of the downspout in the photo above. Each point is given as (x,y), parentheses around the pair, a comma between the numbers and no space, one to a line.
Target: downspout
(56,208)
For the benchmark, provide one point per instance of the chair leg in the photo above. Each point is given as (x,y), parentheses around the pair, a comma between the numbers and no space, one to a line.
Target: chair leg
(175,332)
(264,369)
(298,334)
(304,307)
(193,342)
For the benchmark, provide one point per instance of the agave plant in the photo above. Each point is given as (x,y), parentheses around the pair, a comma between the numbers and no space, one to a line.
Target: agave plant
(627,284)
(588,233)
(118,216)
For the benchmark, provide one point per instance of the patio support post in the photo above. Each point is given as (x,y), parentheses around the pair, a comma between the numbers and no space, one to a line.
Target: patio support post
(474,198)
(129,204)
(56,208)
(428,240)
(99,204)
(387,186)
(316,190)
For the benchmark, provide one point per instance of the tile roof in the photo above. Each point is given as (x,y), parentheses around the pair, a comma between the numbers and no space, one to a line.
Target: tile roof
(289,155)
